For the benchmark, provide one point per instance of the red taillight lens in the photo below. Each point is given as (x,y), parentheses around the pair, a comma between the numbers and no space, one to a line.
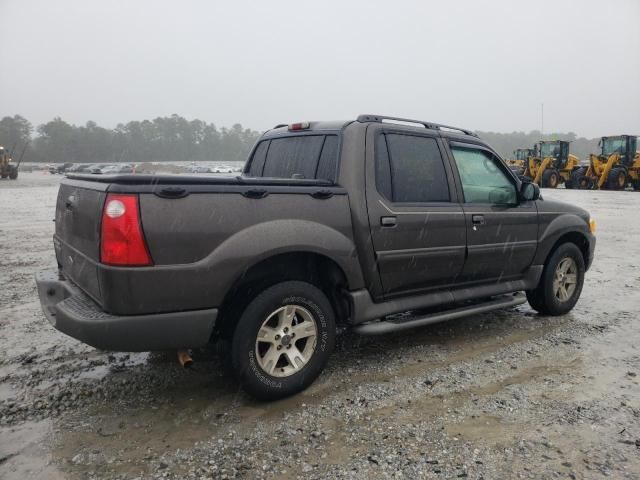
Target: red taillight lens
(122,239)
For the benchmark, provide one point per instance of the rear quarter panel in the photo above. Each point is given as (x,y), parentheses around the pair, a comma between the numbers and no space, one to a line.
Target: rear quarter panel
(203,243)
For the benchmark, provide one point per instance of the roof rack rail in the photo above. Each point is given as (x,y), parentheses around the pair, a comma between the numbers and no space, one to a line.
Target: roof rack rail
(430,125)
(280,125)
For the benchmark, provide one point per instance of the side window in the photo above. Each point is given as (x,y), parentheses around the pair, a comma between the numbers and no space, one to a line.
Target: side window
(483,181)
(328,159)
(259,156)
(410,169)
(383,170)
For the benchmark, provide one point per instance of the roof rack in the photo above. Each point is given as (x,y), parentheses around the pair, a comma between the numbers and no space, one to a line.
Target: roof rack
(430,125)
(280,125)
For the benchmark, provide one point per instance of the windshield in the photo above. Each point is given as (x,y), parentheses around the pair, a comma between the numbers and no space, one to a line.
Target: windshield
(522,154)
(614,145)
(550,150)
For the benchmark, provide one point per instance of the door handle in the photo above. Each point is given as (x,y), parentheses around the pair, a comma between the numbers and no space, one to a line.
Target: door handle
(477,219)
(388,221)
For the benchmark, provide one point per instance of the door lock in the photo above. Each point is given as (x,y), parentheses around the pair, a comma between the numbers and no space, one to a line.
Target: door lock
(477,220)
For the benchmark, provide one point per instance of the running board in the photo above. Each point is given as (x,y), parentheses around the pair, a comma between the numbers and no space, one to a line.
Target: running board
(396,325)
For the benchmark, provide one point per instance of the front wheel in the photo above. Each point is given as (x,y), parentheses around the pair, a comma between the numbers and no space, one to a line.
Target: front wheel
(561,283)
(617,179)
(283,340)
(550,178)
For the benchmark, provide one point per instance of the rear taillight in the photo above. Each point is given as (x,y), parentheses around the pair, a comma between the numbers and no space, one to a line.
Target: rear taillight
(122,240)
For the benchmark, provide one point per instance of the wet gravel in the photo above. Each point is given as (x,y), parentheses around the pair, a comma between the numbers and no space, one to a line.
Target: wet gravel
(510,394)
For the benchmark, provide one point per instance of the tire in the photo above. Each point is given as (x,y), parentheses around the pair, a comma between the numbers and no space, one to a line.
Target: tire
(264,368)
(543,298)
(13,174)
(578,179)
(550,178)
(617,179)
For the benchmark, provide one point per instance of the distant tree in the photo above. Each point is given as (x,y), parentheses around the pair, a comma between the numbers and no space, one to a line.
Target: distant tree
(15,133)
(57,142)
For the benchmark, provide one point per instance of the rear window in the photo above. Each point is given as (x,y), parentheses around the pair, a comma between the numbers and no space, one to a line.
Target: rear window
(302,156)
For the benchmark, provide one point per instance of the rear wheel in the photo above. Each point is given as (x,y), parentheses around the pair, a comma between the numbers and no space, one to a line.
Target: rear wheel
(617,179)
(550,178)
(283,340)
(561,283)
(13,173)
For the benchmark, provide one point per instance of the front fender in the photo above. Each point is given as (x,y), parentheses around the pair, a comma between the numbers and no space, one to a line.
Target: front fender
(552,229)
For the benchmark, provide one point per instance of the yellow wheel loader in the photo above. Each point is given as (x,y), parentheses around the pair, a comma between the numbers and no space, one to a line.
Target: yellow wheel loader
(7,169)
(519,162)
(553,164)
(616,166)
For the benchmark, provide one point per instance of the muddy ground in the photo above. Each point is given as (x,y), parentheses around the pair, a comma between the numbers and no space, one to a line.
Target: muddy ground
(503,395)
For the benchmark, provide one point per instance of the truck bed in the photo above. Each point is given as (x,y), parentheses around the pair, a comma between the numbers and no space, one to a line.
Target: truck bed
(202,233)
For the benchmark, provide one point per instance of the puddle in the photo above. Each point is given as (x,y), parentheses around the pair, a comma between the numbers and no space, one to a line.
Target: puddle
(25,453)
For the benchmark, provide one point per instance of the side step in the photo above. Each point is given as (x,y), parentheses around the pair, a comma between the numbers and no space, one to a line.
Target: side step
(398,324)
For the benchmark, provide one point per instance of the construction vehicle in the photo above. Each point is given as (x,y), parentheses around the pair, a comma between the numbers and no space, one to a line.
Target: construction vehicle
(552,164)
(617,165)
(520,161)
(7,169)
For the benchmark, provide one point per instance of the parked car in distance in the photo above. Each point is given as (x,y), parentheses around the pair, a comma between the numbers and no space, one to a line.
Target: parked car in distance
(76,167)
(81,168)
(116,169)
(59,168)
(331,224)
(199,169)
(97,168)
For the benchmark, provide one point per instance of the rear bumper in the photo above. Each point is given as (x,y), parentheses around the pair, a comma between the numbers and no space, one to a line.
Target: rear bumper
(74,313)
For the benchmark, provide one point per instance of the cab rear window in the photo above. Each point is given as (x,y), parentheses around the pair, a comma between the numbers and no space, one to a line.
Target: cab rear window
(299,156)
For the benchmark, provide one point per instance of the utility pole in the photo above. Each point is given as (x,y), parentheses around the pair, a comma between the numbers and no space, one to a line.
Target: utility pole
(542,119)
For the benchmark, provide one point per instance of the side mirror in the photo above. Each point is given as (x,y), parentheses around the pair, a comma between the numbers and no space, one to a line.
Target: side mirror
(529,191)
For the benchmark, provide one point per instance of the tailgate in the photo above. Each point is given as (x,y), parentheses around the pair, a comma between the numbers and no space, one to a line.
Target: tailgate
(77,237)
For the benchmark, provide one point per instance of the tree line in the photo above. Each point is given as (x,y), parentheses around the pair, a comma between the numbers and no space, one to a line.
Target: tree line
(172,138)
(175,138)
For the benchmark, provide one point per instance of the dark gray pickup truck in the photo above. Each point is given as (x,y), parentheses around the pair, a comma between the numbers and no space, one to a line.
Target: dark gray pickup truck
(331,225)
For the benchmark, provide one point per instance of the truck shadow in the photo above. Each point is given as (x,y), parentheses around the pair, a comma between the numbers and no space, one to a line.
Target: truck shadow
(356,359)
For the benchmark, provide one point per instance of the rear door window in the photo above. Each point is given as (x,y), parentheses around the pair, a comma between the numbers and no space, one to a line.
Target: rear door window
(303,156)
(410,169)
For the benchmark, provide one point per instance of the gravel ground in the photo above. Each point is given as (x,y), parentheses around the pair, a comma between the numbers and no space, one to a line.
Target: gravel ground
(507,395)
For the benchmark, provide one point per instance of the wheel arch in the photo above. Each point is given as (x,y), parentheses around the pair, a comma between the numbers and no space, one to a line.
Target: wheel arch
(305,265)
(572,236)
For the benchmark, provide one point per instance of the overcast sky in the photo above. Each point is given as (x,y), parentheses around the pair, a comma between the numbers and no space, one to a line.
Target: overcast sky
(485,65)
